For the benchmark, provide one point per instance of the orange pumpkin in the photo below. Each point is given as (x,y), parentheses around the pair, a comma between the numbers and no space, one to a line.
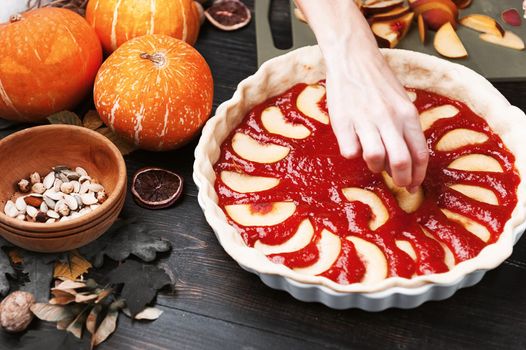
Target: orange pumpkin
(155,91)
(117,21)
(48,62)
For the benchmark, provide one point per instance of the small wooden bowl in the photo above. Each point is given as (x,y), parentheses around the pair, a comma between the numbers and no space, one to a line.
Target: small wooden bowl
(42,147)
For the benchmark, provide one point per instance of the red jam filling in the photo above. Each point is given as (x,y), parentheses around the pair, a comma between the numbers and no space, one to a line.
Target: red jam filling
(314,174)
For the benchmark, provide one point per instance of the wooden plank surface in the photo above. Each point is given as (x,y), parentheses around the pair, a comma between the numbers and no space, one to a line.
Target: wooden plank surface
(217,305)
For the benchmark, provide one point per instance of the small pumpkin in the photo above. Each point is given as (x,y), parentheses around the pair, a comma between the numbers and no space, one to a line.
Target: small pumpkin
(156,91)
(117,21)
(49,60)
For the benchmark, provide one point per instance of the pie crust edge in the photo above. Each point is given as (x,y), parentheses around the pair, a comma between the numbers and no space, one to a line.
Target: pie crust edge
(415,70)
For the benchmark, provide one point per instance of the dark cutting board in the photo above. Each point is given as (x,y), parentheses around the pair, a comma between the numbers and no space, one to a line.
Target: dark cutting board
(496,63)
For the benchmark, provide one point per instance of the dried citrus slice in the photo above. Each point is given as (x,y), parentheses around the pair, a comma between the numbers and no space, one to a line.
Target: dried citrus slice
(156,188)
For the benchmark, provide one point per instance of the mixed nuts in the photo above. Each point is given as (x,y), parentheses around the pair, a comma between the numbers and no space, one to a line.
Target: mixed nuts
(63,194)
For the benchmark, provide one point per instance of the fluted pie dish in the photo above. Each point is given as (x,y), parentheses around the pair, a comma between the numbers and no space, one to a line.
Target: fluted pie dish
(286,205)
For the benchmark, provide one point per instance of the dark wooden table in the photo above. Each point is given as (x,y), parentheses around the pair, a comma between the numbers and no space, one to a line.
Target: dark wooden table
(217,305)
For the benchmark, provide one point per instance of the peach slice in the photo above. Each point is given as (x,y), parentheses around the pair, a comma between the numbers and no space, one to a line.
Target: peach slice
(244,183)
(436,13)
(411,95)
(462,4)
(476,162)
(472,226)
(449,258)
(509,40)
(392,14)
(252,215)
(381,6)
(380,214)
(392,31)
(250,149)
(408,202)
(430,116)
(329,247)
(301,239)
(373,259)
(406,247)
(483,24)
(422,29)
(457,138)
(308,103)
(275,123)
(448,44)
(477,193)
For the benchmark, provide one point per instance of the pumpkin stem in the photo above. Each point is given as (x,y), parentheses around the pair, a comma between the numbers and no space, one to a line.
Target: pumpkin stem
(15,18)
(157,58)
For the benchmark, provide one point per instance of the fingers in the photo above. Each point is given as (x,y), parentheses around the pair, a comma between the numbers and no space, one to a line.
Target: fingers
(372,146)
(347,140)
(400,165)
(416,142)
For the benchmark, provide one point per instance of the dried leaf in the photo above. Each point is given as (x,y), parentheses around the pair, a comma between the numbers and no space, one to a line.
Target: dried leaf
(51,339)
(69,284)
(65,117)
(83,298)
(91,321)
(39,270)
(14,255)
(92,120)
(149,313)
(61,297)
(49,312)
(77,325)
(125,238)
(5,269)
(124,146)
(75,267)
(104,294)
(106,328)
(141,283)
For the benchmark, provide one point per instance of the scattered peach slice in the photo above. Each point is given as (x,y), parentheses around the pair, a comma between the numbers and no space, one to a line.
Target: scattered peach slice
(457,138)
(477,193)
(244,183)
(392,14)
(448,44)
(407,248)
(483,24)
(250,215)
(301,239)
(329,247)
(430,116)
(510,40)
(392,31)
(250,149)
(472,226)
(373,259)
(308,103)
(422,29)
(380,214)
(476,162)
(408,202)
(436,12)
(381,6)
(462,4)
(449,258)
(275,123)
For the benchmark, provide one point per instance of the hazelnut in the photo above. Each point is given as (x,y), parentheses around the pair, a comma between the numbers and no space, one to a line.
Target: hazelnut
(23,186)
(101,197)
(15,311)
(34,178)
(38,188)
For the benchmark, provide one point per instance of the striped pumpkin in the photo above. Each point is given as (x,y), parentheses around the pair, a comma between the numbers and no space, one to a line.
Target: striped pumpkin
(117,21)
(155,91)
(48,62)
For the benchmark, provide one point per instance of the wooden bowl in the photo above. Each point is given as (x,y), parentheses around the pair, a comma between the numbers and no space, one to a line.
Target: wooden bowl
(42,147)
